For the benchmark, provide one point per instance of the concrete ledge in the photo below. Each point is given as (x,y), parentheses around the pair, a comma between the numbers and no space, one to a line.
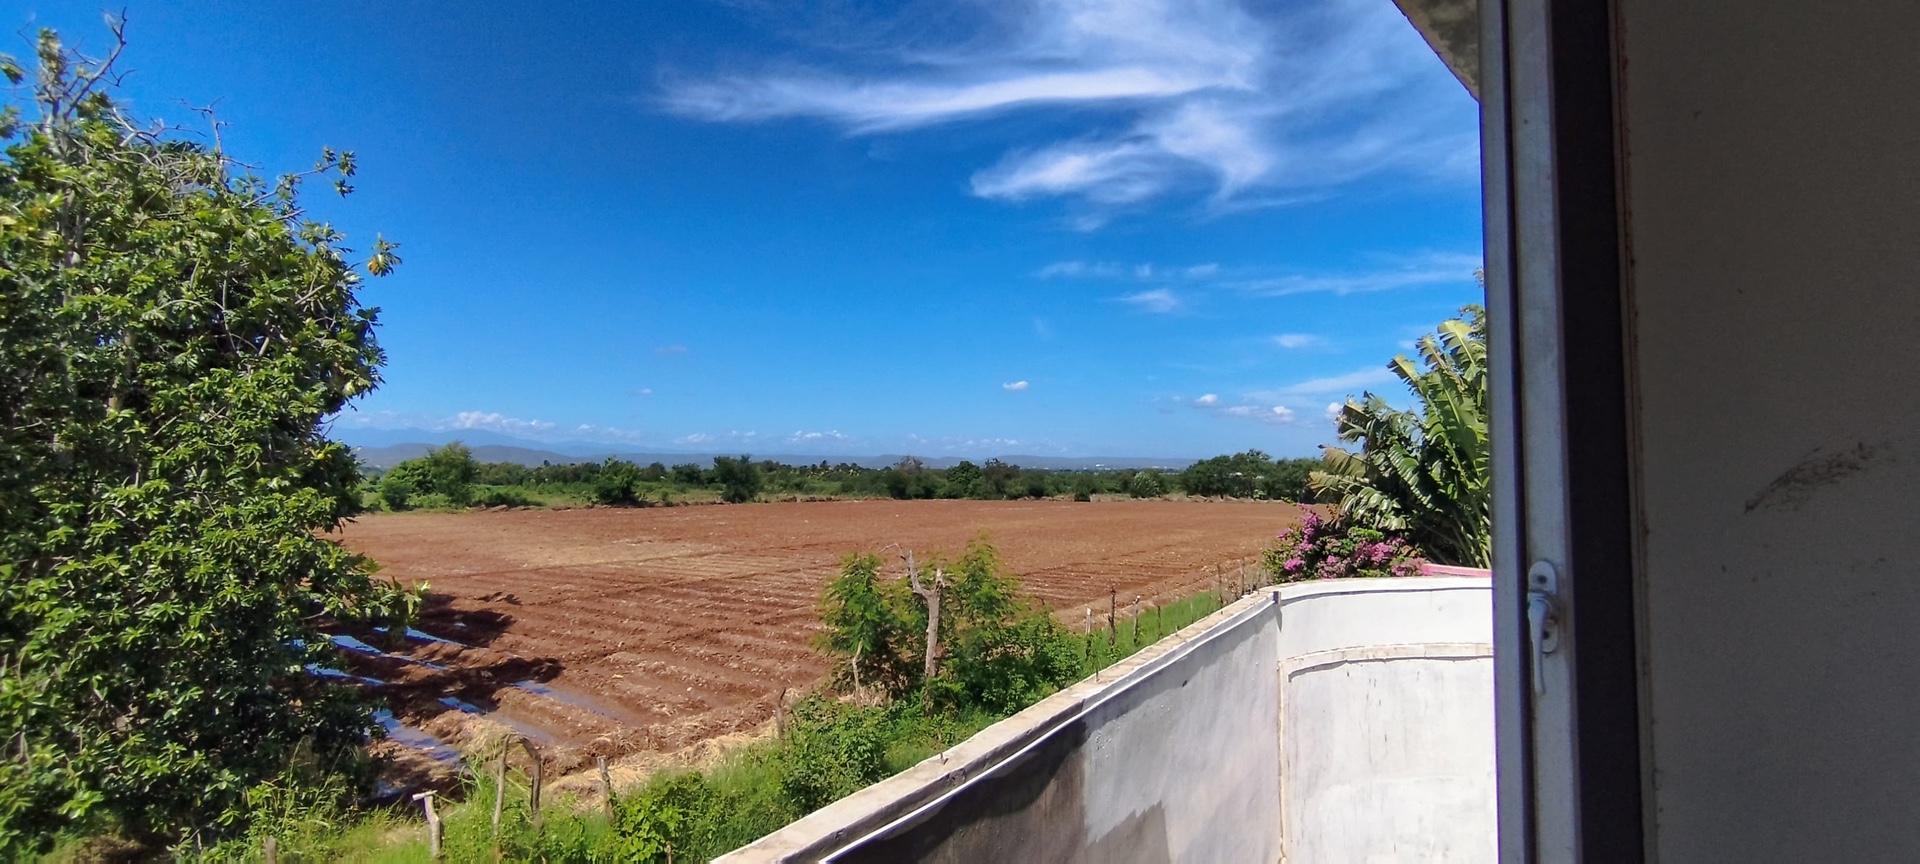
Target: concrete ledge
(1139,760)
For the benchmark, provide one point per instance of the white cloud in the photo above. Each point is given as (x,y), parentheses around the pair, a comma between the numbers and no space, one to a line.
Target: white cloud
(1269,414)
(1079,269)
(810,437)
(1159,301)
(1334,409)
(1358,379)
(494,421)
(1430,269)
(1212,98)
(1207,401)
(1014,386)
(1201,271)
(1292,341)
(695,438)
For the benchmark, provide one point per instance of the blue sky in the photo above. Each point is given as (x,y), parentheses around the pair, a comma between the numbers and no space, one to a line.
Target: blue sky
(1057,227)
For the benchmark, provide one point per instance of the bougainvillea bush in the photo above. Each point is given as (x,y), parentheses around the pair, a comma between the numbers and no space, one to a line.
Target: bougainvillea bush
(1321,548)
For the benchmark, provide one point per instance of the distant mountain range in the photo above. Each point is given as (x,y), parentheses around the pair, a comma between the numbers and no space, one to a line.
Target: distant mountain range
(385,448)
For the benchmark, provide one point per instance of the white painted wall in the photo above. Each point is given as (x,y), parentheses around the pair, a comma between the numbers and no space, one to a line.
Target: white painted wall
(1773,197)
(1338,721)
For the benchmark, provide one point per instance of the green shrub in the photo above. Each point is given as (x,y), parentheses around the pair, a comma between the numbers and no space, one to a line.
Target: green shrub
(832,750)
(617,484)
(1147,484)
(491,496)
(433,501)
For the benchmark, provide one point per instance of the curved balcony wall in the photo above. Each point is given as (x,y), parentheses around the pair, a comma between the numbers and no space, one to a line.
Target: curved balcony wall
(1327,721)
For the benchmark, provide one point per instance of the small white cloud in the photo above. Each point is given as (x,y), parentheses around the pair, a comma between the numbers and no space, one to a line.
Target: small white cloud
(1284,413)
(695,438)
(1202,271)
(1207,401)
(644,391)
(1014,386)
(829,435)
(494,421)
(1334,410)
(1297,340)
(1159,301)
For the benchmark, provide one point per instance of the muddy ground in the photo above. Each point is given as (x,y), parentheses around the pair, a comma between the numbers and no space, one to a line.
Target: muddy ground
(650,635)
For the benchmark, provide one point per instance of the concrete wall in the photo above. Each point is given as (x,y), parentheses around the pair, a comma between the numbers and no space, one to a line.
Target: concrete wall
(1773,197)
(1338,721)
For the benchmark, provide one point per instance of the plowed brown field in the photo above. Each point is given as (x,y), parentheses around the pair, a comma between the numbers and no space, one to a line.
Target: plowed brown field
(656,629)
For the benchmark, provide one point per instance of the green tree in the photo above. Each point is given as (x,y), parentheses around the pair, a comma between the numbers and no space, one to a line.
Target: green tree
(174,335)
(1147,484)
(739,478)
(450,471)
(617,484)
(1423,475)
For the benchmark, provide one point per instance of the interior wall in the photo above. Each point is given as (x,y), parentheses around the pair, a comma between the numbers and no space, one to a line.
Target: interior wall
(1772,197)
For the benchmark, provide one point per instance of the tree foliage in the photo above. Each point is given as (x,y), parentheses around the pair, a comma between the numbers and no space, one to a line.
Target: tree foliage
(1252,474)
(998,651)
(1423,475)
(173,336)
(738,477)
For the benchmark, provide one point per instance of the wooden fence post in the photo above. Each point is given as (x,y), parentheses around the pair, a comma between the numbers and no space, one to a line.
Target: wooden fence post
(1113,602)
(606,787)
(539,774)
(500,785)
(433,823)
(1134,611)
(780,713)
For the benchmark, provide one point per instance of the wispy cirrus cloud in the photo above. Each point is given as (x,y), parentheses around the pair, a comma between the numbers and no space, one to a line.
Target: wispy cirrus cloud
(1441,268)
(1203,97)
(1296,341)
(1015,386)
(1358,379)
(1159,301)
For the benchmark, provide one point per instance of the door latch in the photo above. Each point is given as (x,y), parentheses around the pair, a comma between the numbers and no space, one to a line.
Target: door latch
(1543,618)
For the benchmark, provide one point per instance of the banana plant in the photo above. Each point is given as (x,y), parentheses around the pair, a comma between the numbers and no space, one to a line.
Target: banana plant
(1422,475)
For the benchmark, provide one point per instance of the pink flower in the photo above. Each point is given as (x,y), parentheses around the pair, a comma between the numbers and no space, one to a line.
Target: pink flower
(1293,565)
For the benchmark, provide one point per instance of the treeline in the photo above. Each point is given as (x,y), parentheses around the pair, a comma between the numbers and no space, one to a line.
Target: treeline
(449,477)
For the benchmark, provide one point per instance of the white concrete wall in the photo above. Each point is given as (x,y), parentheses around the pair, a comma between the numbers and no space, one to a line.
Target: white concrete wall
(1772,165)
(1339,721)
(1387,721)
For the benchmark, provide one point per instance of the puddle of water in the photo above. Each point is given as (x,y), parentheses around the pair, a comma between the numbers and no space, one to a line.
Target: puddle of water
(577,700)
(461,705)
(423,636)
(352,644)
(418,739)
(337,675)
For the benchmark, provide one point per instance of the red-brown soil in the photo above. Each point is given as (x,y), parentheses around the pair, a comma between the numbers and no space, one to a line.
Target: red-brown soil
(653,630)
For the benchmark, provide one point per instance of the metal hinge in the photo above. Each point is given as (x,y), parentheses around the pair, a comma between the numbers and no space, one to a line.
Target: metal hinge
(1543,618)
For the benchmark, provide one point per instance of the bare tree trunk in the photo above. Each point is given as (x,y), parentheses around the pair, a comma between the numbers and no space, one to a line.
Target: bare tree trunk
(932,598)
